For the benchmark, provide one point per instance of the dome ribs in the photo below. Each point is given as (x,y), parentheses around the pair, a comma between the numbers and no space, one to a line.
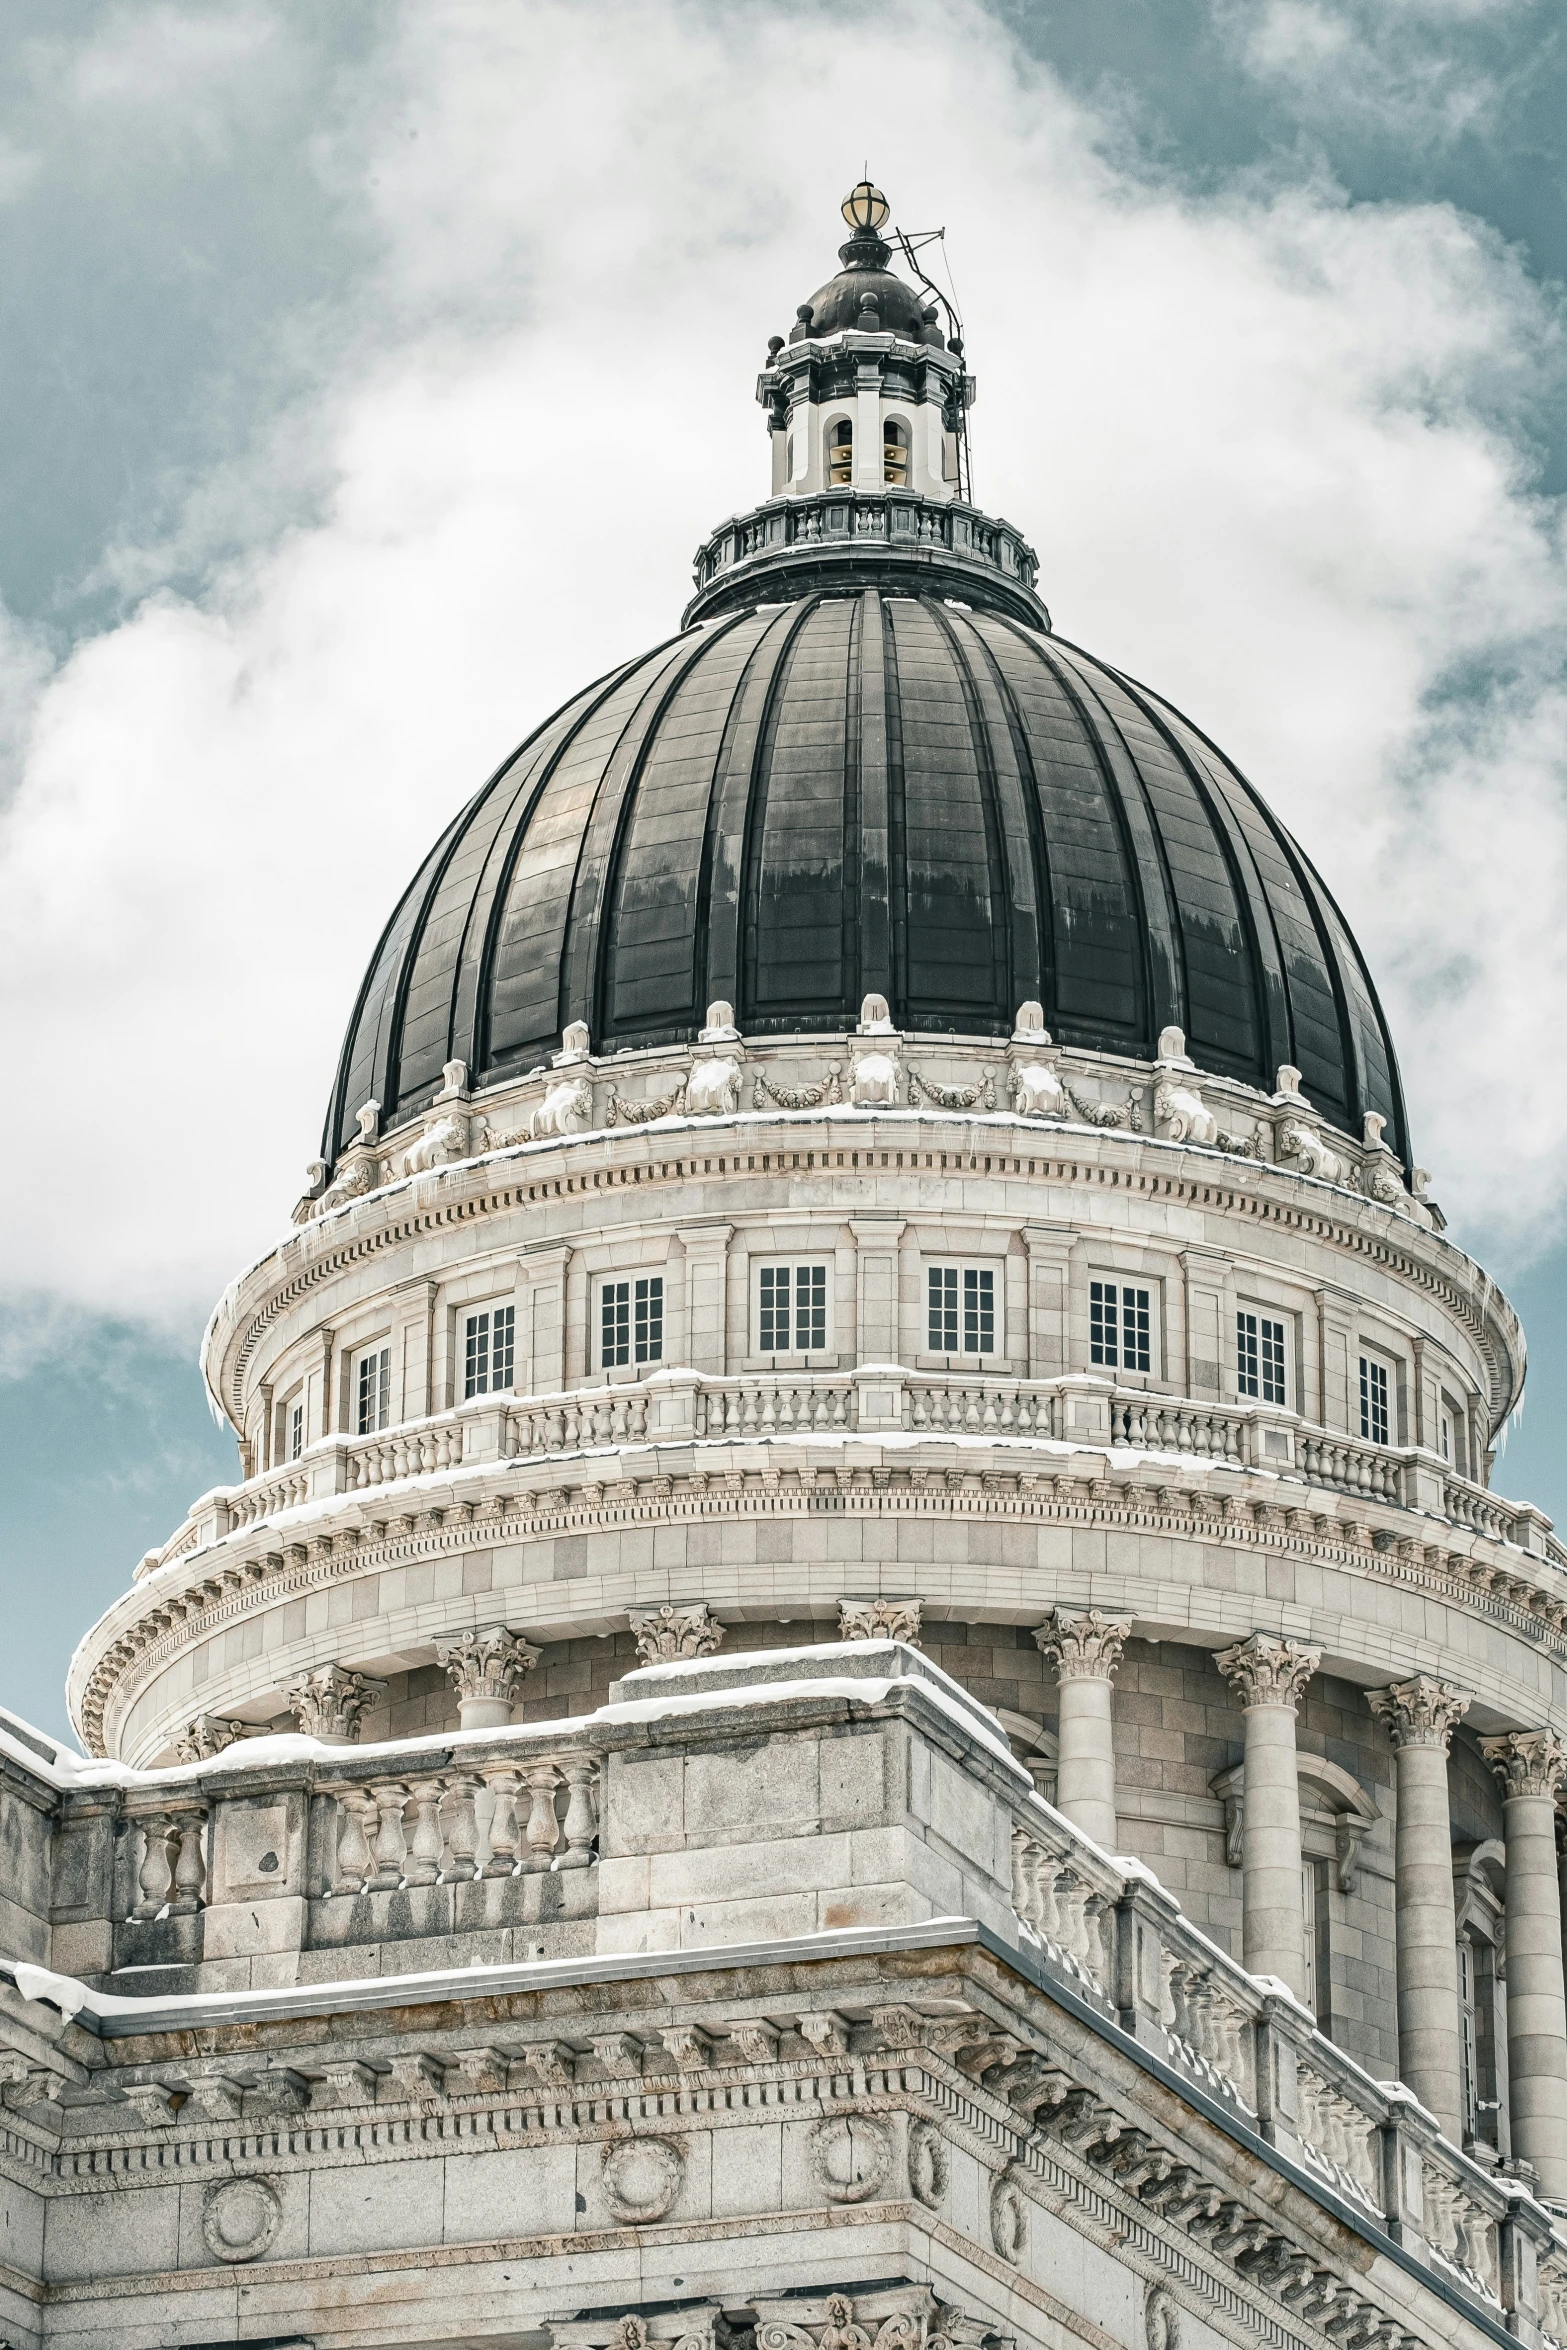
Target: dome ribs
(1028,857)
(794,867)
(530,922)
(1275,1028)
(1116,947)
(736,773)
(876,973)
(1013,930)
(647,982)
(949,845)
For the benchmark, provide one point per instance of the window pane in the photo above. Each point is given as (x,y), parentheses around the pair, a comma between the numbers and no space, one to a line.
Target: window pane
(650,1319)
(1134,1329)
(503,1342)
(979,1311)
(476,1356)
(296,1431)
(615,1325)
(810,1308)
(375,1391)
(1102,1322)
(943,1295)
(1374,1416)
(1272,1347)
(772,1335)
(1247,1377)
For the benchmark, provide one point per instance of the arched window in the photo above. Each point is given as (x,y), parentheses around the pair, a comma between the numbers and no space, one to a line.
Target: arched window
(840,452)
(895,454)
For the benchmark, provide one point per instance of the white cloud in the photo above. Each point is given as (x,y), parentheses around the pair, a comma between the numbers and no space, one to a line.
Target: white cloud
(1419,71)
(1261,442)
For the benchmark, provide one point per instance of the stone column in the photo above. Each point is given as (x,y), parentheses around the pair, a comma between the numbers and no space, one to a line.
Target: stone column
(1420,1715)
(486,1670)
(1531,1766)
(1268,1676)
(1085,1650)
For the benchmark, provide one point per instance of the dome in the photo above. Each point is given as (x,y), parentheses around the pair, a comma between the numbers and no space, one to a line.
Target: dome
(793,804)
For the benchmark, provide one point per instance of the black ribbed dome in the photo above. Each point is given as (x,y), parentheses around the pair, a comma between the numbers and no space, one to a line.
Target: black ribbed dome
(796,805)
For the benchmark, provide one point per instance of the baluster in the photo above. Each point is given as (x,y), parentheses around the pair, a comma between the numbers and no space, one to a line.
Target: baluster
(750,1415)
(1047,1877)
(554,1429)
(1095,1953)
(423,1862)
(389,1847)
(638,1417)
(971,1419)
(500,1856)
(1022,1890)
(156,1875)
(769,1415)
(355,1820)
(580,1827)
(989,1420)
(463,1835)
(542,1831)
(190,1868)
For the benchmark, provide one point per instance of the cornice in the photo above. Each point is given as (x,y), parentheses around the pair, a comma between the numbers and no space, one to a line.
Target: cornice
(681,1151)
(338,1540)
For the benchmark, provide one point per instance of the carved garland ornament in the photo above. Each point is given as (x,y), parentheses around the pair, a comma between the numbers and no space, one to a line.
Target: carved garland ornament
(850,2157)
(642,2177)
(625,1113)
(952,1097)
(240,2219)
(828,1089)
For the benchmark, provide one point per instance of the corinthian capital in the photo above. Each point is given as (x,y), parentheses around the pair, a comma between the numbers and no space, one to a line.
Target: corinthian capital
(1527,1762)
(1421,1712)
(1265,1671)
(670,1633)
(880,1619)
(1084,1647)
(331,1702)
(488,1665)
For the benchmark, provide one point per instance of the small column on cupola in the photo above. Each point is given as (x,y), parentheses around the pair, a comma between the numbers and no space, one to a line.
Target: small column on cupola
(868,393)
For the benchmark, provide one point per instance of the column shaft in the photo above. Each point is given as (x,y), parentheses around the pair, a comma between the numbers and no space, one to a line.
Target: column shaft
(1531,1766)
(1085,1650)
(1269,1676)
(1420,1715)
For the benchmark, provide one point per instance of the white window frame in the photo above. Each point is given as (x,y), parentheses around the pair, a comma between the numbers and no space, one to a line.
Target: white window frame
(793,1262)
(379,1354)
(1102,1278)
(966,1279)
(1266,1359)
(476,1347)
(295,1431)
(1376,1382)
(641,1351)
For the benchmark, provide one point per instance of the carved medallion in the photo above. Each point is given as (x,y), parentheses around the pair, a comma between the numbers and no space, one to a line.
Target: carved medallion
(642,2178)
(1008,2220)
(851,2157)
(1161,2321)
(240,2219)
(930,2165)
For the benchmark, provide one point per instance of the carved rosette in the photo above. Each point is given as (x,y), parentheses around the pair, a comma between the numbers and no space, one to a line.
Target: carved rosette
(1421,1712)
(1527,1762)
(331,1703)
(488,1665)
(1083,1647)
(880,1619)
(1265,1671)
(666,1634)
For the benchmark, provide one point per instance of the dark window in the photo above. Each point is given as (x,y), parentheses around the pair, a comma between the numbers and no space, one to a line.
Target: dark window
(1119,1325)
(962,1310)
(489,1344)
(1259,1357)
(791,1309)
(895,455)
(840,453)
(632,1321)
(296,1431)
(1374,1416)
(375,1390)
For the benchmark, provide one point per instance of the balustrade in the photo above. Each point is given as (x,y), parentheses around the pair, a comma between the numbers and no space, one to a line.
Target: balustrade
(1154,1425)
(1062,1907)
(774,1407)
(973,1407)
(1339,2139)
(172,1874)
(493,1819)
(1462,2235)
(407,1452)
(1364,1469)
(575,1423)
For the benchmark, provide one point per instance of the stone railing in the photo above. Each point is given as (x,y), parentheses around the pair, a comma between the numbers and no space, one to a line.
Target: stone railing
(1122,1944)
(890,519)
(446,1826)
(674,1405)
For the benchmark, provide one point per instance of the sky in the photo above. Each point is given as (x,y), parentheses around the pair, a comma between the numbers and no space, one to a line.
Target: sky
(370,373)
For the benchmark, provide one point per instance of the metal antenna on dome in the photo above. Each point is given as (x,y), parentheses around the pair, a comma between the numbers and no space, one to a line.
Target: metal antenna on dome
(910,243)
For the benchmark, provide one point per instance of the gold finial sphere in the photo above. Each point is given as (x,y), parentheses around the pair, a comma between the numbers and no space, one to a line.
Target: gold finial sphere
(865,207)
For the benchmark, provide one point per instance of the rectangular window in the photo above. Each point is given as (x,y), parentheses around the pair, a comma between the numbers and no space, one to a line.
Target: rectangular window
(1468,2049)
(1374,1417)
(1259,1357)
(489,1346)
(631,1321)
(296,1431)
(374,1390)
(791,1309)
(1119,1326)
(962,1310)
(1318,1955)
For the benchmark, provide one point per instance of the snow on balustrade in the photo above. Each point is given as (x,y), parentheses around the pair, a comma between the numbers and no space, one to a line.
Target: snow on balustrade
(496,1819)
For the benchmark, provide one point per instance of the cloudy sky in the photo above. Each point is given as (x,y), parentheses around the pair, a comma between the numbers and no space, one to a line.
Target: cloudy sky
(369,373)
